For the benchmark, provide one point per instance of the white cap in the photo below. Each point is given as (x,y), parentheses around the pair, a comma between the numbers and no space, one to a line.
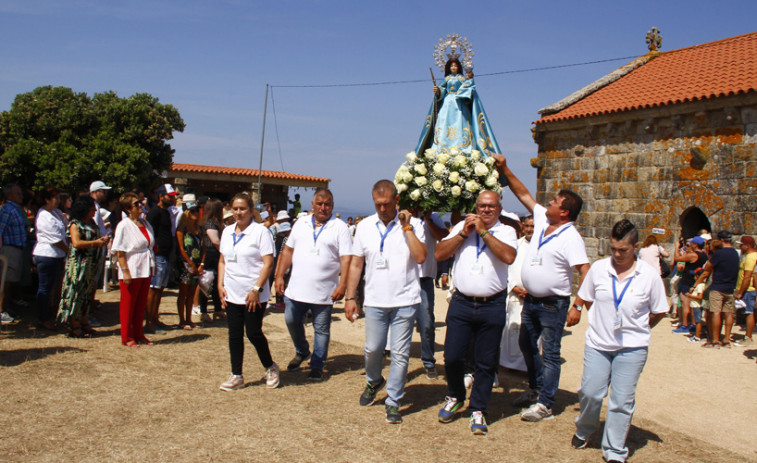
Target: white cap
(189,197)
(98,185)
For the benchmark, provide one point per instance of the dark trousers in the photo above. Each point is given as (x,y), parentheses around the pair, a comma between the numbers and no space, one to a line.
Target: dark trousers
(50,273)
(240,320)
(481,323)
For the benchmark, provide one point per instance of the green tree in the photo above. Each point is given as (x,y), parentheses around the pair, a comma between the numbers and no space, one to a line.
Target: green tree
(54,136)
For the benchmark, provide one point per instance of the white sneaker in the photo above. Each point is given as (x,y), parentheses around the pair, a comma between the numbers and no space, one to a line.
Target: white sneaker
(196,310)
(537,412)
(468,380)
(233,383)
(496,380)
(272,376)
(526,399)
(6,318)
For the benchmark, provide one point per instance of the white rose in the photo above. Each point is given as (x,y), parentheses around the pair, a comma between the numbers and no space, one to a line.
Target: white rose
(421,169)
(443,158)
(438,168)
(415,194)
(429,153)
(456,190)
(437,185)
(491,181)
(459,160)
(454,177)
(475,155)
(489,161)
(472,186)
(401,187)
(480,169)
(407,177)
(420,181)
(454,152)
(411,156)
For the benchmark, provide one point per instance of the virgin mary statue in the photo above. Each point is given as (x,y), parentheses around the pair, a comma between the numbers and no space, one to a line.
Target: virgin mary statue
(456,121)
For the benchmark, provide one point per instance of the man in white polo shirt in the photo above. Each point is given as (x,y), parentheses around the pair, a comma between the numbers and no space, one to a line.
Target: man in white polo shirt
(318,249)
(554,252)
(391,249)
(483,249)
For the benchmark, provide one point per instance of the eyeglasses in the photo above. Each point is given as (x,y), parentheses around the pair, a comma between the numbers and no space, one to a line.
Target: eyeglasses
(486,206)
(136,203)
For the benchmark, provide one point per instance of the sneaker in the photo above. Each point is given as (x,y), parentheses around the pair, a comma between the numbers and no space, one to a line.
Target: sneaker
(93,322)
(196,310)
(681,329)
(369,394)
(272,377)
(431,372)
(694,339)
(529,397)
(746,342)
(315,375)
(496,380)
(450,408)
(233,383)
(6,318)
(468,380)
(393,414)
(578,443)
(296,361)
(537,412)
(205,318)
(675,324)
(478,423)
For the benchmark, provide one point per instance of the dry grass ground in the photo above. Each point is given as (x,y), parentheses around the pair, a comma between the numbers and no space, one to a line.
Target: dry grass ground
(67,400)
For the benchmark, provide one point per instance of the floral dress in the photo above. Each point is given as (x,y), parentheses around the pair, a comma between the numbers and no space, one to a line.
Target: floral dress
(79,279)
(193,247)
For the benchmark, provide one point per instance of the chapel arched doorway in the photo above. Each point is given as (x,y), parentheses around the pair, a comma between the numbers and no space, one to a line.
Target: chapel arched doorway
(693,220)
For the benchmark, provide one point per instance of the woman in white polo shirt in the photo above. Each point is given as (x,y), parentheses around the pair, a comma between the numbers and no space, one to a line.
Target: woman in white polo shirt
(243,268)
(626,299)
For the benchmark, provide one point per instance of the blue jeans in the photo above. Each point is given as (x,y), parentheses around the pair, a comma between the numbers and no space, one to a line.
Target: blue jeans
(620,370)
(377,323)
(50,271)
(546,321)
(162,271)
(749,299)
(293,314)
(482,323)
(427,323)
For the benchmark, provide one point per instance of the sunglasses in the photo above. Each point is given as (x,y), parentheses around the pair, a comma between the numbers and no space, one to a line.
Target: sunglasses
(136,203)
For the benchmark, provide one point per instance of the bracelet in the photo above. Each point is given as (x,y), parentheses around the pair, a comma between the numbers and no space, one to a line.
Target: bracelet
(349,299)
(408,228)
(465,237)
(484,233)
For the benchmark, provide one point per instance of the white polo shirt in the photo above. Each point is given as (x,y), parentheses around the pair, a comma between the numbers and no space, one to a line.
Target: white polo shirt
(477,271)
(244,261)
(316,254)
(547,271)
(428,267)
(645,295)
(395,284)
(51,229)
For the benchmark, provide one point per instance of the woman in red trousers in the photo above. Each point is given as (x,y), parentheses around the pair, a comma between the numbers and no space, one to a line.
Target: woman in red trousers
(133,244)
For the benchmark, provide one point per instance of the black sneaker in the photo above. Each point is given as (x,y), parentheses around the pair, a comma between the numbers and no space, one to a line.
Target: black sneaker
(578,443)
(296,361)
(431,373)
(393,415)
(315,375)
(369,394)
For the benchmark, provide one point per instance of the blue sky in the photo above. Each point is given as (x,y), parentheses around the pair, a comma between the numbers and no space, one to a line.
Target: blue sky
(212,61)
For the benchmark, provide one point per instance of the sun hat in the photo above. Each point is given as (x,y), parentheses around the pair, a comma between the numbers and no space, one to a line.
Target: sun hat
(282,215)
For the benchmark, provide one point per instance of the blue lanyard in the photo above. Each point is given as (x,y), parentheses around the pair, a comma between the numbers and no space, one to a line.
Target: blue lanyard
(234,237)
(383,235)
(615,297)
(542,241)
(481,249)
(315,237)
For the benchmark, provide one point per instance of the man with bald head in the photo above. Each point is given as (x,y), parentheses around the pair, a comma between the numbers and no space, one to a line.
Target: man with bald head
(483,249)
(391,246)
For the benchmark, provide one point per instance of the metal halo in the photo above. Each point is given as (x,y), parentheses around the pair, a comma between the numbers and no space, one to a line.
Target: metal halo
(459,47)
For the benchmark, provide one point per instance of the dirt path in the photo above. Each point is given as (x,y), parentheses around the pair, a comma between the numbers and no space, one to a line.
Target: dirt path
(93,400)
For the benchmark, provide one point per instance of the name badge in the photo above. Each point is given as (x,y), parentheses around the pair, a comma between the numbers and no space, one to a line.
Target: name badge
(381,262)
(617,325)
(536,260)
(477,269)
(231,257)
(314,251)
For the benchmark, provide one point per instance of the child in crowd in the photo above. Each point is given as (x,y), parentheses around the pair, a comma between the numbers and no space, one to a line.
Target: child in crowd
(696,296)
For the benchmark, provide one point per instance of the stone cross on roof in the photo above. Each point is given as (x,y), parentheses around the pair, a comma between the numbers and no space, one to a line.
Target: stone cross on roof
(654,39)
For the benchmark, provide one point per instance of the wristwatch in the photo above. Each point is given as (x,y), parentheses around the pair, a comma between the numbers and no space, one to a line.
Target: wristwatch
(578,307)
(256,289)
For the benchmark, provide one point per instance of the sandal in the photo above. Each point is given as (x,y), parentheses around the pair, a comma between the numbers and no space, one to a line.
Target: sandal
(725,345)
(78,333)
(131,344)
(711,345)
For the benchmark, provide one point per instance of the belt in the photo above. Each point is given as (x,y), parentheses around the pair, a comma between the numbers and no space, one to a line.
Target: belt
(426,278)
(546,299)
(480,298)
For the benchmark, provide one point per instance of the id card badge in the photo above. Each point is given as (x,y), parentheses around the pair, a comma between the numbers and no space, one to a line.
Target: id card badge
(477,268)
(617,325)
(381,262)
(536,260)
(314,251)
(231,257)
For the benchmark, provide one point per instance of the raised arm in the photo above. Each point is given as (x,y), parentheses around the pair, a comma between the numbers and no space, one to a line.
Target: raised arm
(516,186)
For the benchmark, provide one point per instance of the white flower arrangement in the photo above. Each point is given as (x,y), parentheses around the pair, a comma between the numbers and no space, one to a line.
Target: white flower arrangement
(445,181)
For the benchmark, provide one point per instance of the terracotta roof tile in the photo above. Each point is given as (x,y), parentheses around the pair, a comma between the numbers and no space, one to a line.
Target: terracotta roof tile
(181,167)
(711,70)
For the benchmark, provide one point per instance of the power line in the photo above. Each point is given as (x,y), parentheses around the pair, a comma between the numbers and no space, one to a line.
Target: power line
(515,71)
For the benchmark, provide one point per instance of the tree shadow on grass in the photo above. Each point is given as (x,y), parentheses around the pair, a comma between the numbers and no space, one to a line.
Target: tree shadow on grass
(187,338)
(750,353)
(12,358)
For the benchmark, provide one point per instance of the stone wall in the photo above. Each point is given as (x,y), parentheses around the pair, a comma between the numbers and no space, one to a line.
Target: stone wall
(652,165)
